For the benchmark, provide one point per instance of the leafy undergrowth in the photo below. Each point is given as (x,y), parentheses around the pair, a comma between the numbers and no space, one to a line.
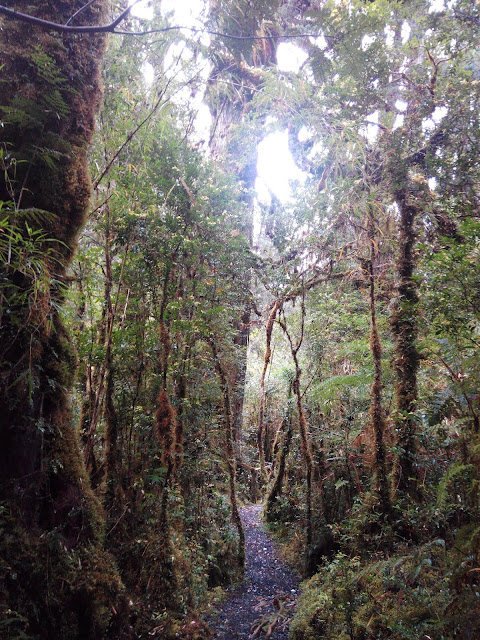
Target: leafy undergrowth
(430,592)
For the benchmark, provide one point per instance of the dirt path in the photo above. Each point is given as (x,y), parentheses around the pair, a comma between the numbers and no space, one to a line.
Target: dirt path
(267,595)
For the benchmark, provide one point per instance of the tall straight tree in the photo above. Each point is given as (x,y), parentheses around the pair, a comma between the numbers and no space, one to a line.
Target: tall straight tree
(56,580)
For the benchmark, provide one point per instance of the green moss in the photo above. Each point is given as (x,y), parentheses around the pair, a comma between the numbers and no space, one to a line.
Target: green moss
(74,589)
(428,591)
(57,581)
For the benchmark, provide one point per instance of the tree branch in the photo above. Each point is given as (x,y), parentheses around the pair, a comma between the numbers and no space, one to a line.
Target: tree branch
(129,137)
(81,10)
(309,284)
(111,27)
(67,28)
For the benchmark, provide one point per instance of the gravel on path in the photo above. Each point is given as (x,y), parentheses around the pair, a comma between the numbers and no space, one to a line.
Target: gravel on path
(262,605)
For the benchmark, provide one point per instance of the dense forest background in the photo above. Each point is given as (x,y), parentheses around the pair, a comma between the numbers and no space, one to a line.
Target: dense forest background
(177,339)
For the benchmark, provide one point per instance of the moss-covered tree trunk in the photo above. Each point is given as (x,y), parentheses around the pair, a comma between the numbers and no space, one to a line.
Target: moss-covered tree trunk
(405,329)
(277,486)
(377,417)
(230,451)
(305,443)
(55,580)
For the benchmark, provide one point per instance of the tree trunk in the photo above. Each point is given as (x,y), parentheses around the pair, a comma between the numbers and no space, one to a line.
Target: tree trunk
(376,411)
(56,576)
(277,486)
(306,446)
(112,454)
(228,111)
(231,464)
(239,372)
(404,326)
(268,353)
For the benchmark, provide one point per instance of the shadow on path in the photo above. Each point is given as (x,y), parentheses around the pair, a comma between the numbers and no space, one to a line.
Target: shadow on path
(261,606)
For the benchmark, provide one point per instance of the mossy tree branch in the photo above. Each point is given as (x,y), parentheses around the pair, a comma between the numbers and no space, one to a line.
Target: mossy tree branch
(306,446)
(112,27)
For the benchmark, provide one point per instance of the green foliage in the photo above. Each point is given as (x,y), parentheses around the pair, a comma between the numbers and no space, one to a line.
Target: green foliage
(164,268)
(430,591)
(328,389)
(453,283)
(451,483)
(28,256)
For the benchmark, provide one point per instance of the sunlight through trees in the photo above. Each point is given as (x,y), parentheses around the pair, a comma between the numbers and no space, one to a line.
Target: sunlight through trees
(239,266)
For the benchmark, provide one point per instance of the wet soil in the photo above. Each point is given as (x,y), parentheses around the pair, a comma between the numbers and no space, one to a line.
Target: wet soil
(262,605)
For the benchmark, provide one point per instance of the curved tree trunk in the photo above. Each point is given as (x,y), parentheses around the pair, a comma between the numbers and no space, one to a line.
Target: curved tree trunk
(61,582)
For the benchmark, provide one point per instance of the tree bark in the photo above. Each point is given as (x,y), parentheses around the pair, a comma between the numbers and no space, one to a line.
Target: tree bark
(405,330)
(231,463)
(268,354)
(306,446)
(112,454)
(57,577)
(376,410)
(277,485)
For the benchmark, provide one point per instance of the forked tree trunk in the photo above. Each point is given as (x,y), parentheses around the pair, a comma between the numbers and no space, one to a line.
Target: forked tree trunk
(305,443)
(58,579)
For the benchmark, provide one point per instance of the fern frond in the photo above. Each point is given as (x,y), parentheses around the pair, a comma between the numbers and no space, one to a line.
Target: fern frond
(328,389)
(456,471)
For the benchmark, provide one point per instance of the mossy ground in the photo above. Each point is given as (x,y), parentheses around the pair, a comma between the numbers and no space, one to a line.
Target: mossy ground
(429,591)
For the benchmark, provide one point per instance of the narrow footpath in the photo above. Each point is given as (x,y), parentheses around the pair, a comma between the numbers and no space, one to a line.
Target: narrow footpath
(262,605)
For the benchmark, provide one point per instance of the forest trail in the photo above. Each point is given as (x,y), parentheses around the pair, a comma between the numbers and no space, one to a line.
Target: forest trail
(266,597)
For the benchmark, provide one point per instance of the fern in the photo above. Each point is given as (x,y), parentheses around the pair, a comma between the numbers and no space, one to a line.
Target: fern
(27,254)
(328,389)
(442,406)
(456,471)
(37,113)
